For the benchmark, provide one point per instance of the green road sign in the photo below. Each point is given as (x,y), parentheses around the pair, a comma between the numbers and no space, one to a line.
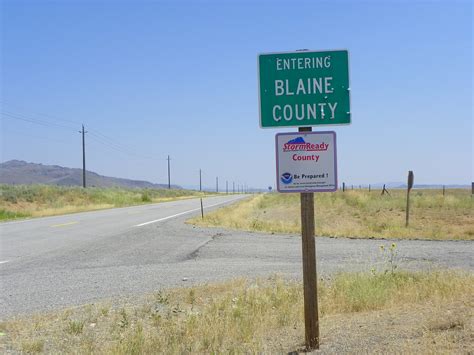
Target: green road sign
(304,88)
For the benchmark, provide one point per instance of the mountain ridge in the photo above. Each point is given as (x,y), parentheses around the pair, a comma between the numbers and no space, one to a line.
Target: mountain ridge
(19,172)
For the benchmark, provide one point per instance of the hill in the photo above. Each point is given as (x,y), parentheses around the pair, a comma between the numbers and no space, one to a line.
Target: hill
(17,172)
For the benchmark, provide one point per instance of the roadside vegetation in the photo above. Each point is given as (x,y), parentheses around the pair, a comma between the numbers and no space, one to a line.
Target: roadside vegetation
(356,213)
(375,311)
(21,201)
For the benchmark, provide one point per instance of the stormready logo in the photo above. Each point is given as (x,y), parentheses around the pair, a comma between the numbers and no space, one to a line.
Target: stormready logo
(299,144)
(286,178)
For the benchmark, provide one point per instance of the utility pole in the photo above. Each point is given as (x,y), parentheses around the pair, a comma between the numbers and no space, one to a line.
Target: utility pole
(169,175)
(200,180)
(83,157)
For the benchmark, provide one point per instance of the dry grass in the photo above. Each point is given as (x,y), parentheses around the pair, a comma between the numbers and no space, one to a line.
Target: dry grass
(358,311)
(20,201)
(356,213)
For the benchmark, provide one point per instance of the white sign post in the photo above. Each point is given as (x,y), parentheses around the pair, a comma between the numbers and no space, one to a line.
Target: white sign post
(306,162)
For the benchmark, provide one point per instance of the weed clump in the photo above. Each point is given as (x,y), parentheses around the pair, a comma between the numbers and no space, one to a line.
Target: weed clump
(75,327)
(32,346)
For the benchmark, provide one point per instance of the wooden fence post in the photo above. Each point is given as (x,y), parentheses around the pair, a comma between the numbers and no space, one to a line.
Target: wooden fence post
(409,187)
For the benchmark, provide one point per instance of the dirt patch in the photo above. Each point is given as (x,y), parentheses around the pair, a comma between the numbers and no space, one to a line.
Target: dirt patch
(416,329)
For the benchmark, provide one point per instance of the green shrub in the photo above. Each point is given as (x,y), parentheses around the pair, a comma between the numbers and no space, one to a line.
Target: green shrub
(6,215)
(75,327)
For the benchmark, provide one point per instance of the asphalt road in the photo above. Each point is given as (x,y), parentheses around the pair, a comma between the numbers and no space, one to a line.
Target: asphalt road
(62,261)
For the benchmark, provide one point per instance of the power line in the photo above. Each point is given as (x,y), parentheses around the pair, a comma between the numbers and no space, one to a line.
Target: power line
(20,117)
(118,148)
(108,145)
(94,135)
(100,137)
(3,102)
(116,144)
(40,137)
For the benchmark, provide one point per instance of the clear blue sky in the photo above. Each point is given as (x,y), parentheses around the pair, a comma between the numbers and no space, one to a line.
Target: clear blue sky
(180,78)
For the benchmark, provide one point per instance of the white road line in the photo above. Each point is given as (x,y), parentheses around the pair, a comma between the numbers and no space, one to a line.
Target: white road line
(180,214)
(64,224)
(105,210)
(5,261)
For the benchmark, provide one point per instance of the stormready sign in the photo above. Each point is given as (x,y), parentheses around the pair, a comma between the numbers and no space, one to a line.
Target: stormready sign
(306,162)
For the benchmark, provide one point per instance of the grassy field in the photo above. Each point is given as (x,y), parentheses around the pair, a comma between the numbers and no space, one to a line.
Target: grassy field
(356,213)
(359,313)
(21,201)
